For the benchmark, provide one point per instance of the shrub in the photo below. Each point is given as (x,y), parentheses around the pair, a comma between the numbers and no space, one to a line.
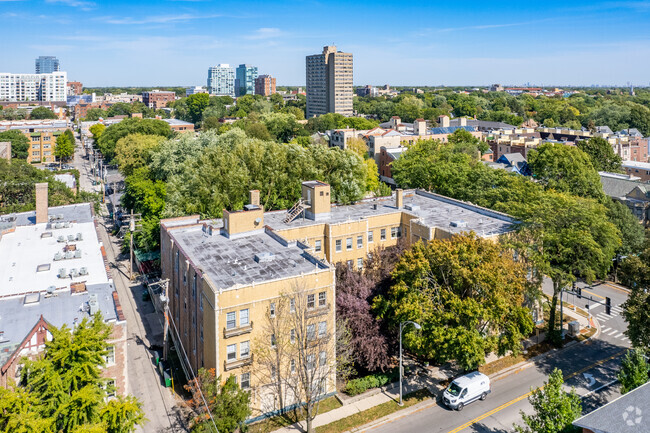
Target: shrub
(362,384)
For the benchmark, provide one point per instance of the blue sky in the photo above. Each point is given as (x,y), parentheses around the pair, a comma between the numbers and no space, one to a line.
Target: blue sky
(173,42)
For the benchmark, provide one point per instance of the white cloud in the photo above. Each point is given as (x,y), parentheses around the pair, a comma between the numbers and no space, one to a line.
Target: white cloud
(155,19)
(81,4)
(265,33)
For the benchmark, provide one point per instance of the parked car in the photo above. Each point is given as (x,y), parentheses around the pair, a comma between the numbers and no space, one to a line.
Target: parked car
(466,389)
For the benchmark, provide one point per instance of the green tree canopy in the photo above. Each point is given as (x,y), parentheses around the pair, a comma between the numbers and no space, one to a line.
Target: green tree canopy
(554,409)
(19,143)
(134,151)
(196,103)
(601,154)
(42,113)
(64,149)
(632,233)
(97,130)
(468,295)
(113,133)
(634,370)
(94,114)
(566,169)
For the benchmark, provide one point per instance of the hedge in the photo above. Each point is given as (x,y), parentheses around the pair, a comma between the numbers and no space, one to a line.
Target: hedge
(362,384)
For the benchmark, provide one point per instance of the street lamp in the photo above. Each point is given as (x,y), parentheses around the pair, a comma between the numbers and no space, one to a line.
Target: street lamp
(401,326)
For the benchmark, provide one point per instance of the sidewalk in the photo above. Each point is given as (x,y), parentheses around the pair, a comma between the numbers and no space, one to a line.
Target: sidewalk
(415,382)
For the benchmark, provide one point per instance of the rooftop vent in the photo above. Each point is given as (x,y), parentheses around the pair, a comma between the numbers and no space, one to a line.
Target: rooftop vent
(83,271)
(264,257)
(62,273)
(32,298)
(93,305)
(58,256)
(79,237)
(251,207)
(411,207)
(50,290)
(458,223)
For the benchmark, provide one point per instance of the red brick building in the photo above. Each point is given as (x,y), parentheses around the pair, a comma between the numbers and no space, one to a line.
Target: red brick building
(265,85)
(74,88)
(157,99)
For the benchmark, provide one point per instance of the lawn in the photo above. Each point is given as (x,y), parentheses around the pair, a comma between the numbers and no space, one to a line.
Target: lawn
(276,422)
(374,413)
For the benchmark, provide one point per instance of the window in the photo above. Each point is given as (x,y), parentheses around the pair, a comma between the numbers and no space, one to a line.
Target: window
(322,299)
(110,388)
(338,245)
(293,366)
(231,352)
(231,320)
(244,349)
(322,358)
(201,331)
(272,309)
(184,277)
(322,329)
(243,317)
(370,237)
(317,246)
(359,241)
(310,362)
(311,332)
(194,287)
(393,232)
(110,356)
(360,263)
(383,234)
(245,381)
(273,342)
(201,302)
(349,263)
(293,336)
(348,244)
(292,305)
(311,301)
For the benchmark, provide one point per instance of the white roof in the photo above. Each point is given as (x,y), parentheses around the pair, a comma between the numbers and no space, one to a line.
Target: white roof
(463,381)
(636,164)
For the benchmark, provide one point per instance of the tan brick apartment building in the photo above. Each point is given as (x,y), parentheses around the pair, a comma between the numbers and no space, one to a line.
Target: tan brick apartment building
(329,82)
(225,275)
(157,99)
(55,273)
(265,85)
(42,135)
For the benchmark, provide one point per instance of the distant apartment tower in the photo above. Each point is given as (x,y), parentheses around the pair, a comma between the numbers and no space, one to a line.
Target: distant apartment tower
(47,65)
(33,87)
(157,99)
(265,85)
(194,90)
(329,82)
(221,80)
(245,80)
(74,88)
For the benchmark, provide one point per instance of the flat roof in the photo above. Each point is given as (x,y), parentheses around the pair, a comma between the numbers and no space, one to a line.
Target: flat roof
(432,209)
(62,307)
(235,261)
(28,252)
(636,164)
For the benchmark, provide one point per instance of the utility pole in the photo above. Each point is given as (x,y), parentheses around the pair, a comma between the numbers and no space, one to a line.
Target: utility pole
(134,219)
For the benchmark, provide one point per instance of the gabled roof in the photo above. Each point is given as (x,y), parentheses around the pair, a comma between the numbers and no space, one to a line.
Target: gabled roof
(626,414)
(617,187)
(512,158)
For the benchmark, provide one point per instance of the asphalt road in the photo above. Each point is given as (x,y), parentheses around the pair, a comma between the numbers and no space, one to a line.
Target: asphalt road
(590,368)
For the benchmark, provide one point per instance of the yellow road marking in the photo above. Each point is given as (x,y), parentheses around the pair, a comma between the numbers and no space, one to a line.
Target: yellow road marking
(627,292)
(592,293)
(521,397)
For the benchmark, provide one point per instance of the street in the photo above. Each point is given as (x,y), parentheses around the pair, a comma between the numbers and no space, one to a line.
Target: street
(589,367)
(144,327)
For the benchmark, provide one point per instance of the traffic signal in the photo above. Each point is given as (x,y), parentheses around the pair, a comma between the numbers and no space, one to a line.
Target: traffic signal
(579,292)
(608,306)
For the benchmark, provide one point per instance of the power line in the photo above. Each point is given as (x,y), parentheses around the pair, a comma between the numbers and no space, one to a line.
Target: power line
(169,316)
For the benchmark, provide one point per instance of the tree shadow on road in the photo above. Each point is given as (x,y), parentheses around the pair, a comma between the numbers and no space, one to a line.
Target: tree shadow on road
(482,428)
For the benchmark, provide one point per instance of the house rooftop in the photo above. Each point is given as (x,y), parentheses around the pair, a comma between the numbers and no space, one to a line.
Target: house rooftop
(250,258)
(33,255)
(636,164)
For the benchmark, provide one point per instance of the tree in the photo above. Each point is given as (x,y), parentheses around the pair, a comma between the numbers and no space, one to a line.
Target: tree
(94,114)
(308,351)
(19,143)
(634,370)
(63,390)
(635,273)
(134,151)
(228,403)
(64,147)
(42,113)
(358,146)
(210,122)
(632,234)
(119,109)
(554,409)
(566,169)
(113,133)
(640,119)
(97,130)
(466,292)
(601,154)
(196,103)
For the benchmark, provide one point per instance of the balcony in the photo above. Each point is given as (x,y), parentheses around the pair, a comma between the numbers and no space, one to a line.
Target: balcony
(240,330)
(237,363)
(318,311)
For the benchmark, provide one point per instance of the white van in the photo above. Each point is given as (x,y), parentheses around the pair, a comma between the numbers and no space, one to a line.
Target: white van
(466,389)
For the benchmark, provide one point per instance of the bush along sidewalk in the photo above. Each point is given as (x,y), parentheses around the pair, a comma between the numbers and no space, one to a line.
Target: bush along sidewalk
(362,384)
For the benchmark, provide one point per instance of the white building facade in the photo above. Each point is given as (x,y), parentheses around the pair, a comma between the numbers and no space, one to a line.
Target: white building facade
(221,80)
(33,87)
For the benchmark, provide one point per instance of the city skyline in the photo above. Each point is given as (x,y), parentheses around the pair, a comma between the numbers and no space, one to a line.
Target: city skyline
(174,42)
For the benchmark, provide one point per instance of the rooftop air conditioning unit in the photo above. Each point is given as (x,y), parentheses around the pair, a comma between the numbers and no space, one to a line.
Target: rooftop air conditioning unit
(83,271)
(79,237)
(62,273)
(459,223)
(264,257)
(93,305)
(411,207)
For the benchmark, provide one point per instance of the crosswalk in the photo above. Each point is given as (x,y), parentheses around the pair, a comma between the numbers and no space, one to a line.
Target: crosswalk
(604,317)
(614,333)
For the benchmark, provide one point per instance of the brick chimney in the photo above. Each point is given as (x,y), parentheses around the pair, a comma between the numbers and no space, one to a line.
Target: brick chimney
(41,202)
(399,198)
(254,197)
